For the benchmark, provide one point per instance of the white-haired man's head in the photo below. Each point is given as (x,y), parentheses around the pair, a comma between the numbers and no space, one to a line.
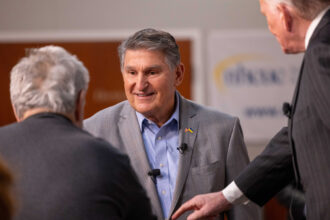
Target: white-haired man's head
(307,9)
(47,78)
(288,20)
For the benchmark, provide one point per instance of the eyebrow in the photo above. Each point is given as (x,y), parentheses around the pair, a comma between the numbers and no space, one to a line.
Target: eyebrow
(145,69)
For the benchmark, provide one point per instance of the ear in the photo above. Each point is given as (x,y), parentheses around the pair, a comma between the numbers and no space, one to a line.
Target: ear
(79,111)
(179,73)
(286,16)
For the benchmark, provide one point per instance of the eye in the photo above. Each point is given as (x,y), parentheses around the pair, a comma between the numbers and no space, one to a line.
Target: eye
(131,72)
(153,72)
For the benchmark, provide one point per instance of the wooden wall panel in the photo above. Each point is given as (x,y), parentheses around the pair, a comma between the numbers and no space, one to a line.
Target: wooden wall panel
(106,85)
(273,210)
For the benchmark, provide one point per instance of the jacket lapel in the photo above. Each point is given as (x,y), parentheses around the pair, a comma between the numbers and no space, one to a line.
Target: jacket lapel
(296,91)
(132,138)
(187,120)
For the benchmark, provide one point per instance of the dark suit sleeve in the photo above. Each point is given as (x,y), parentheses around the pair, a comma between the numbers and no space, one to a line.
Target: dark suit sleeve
(269,172)
(318,64)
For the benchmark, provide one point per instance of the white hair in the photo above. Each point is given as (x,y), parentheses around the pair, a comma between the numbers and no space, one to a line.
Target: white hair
(307,9)
(48,77)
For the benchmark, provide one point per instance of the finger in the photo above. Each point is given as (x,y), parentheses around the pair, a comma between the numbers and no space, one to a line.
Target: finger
(189,205)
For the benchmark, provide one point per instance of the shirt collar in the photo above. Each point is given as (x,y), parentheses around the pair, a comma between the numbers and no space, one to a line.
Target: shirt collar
(175,115)
(313,26)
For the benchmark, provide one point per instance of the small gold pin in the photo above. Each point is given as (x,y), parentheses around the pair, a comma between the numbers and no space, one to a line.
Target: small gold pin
(188,129)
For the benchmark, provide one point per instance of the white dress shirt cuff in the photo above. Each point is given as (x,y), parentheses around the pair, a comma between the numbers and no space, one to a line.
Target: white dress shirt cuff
(234,195)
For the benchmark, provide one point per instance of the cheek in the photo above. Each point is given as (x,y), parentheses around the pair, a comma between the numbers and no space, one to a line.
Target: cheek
(271,27)
(125,86)
(127,83)
(270,23)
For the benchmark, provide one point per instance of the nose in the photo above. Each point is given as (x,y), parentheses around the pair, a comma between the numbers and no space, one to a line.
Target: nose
(142,82)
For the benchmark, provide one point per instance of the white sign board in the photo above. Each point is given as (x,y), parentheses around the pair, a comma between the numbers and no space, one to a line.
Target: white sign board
(250,77)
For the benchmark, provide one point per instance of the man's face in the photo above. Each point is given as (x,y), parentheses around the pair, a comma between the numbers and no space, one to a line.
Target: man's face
(276,26)
(150,84)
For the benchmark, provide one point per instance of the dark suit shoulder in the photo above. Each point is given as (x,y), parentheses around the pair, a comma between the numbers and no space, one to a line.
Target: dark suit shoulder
(49,150)
(322,31)
(7,128)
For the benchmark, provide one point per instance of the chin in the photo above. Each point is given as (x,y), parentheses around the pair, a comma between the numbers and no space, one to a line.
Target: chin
(142,109)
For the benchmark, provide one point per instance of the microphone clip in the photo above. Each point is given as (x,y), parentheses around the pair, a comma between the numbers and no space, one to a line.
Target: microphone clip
(153,174)
(182,148)
(286,108)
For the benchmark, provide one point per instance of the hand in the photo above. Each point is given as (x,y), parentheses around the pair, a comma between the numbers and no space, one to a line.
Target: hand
(206,206)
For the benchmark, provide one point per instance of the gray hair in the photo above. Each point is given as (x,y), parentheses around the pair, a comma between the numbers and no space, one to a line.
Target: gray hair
(151,39)
(307,9)
(48,77)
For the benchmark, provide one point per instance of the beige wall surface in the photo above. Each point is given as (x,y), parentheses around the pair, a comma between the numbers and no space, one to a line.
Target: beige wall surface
(34,15)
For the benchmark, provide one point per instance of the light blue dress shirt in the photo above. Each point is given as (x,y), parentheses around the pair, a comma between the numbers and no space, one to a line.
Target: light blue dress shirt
(161,147)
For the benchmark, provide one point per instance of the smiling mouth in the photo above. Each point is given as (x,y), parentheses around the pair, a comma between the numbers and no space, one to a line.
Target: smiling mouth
(144,95)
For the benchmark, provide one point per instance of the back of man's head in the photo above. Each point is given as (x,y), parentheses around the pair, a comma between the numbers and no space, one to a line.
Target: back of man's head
(48,78)
(307,9)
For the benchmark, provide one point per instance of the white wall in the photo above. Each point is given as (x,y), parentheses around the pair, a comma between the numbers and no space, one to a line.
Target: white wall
(35,15)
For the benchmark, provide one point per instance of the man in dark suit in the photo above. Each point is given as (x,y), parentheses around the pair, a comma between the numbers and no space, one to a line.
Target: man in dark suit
(61,171)
(301,151)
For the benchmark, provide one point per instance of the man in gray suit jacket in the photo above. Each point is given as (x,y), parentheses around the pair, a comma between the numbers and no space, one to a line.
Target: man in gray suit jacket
(300,151)
(61,171)
(177,148)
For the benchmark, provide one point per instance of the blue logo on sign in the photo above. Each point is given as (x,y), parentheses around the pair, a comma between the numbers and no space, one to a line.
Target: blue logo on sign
(242,75)
(234,71)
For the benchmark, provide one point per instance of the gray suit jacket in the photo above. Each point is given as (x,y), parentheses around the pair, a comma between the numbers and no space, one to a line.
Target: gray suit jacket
(215,153)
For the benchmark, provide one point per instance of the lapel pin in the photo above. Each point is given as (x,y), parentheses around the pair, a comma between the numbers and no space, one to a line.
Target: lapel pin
(188,129)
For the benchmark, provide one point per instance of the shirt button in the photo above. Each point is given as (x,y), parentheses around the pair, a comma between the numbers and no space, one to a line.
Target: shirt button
(159,138)
(163,192)
(161,165)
